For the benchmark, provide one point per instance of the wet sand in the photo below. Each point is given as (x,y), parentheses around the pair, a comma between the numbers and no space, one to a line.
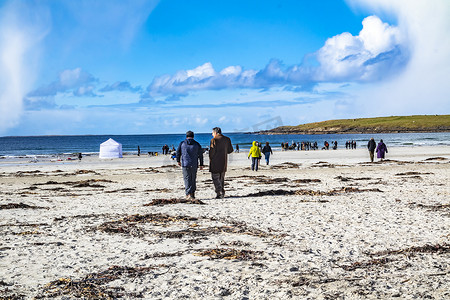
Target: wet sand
(316,224)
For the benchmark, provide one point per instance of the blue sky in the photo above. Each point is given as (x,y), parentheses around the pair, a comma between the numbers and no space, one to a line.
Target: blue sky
(137,67)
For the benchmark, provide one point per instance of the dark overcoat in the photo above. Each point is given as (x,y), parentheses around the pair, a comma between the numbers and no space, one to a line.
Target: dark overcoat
(219,149)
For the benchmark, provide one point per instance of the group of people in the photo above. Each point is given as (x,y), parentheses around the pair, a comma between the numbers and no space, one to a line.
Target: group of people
(255,154)
(165,149)
(326,145)
(189,156)
(350,145)
(381,149)
(299,146)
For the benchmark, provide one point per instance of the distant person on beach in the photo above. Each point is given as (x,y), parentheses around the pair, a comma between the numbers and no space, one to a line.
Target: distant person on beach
(237,148)
(139,151)
(165,149)
(267,150)
(381,150)
(255,154)
(371,146)
(189,154)
(219,149)
(80,156)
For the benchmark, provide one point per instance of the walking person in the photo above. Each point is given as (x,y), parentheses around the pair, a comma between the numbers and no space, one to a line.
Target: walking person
(267,150)
(371,146)
(189,154)
(255,153)
(381,150)
(219,149)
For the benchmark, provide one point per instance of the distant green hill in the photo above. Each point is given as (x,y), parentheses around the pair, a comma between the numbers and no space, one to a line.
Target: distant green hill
(421,123)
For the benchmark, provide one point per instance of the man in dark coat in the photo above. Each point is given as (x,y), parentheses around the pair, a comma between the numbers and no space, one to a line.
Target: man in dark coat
(189,154)
(371,146)
(219,149)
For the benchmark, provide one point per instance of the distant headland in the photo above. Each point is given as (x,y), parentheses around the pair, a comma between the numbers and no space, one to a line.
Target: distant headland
(393,124)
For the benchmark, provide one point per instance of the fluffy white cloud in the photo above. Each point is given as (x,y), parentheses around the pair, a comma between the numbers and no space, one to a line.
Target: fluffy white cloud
(346,57)
(375,53)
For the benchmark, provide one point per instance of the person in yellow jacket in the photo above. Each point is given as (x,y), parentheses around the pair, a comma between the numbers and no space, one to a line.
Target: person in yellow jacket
(255,153)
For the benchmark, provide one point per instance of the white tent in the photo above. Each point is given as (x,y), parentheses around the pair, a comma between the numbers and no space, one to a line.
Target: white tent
(110,149)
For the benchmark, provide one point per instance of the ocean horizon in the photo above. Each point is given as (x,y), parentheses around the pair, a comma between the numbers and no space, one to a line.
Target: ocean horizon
(54,145)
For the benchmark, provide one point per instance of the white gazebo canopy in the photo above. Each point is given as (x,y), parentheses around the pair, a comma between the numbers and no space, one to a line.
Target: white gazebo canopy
(110,149)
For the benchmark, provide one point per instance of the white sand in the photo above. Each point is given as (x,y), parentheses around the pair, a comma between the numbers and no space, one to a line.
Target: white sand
(317,246)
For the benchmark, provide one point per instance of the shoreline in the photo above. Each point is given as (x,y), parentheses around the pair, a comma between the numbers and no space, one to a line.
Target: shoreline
(340,155)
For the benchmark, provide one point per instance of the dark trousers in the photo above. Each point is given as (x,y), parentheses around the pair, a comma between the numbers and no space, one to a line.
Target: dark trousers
(267,156)
(219,182)
(371,155)
(255,163)
(190,179)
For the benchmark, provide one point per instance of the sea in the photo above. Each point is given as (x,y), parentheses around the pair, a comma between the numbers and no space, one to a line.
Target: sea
(25,146)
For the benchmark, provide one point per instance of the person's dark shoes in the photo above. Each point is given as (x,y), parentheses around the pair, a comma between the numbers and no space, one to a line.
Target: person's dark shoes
(220,196)
(193,195)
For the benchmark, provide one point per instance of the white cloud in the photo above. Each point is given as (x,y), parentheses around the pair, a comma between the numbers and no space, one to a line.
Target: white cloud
(201,72)
(77,81)
(231,71)
(378,37)
(423,86)
(21,29)
(347,57)
(374,54)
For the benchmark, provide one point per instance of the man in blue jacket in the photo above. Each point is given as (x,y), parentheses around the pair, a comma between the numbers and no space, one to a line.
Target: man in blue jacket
(189,154)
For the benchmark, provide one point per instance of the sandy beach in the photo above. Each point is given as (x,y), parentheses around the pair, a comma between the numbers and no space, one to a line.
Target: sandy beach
(312,225)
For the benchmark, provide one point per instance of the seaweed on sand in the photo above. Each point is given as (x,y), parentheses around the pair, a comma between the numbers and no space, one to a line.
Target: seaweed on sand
(81,183)
(334,192)
(436,158)
(366,264)
(20,205)
(266,180)
(352,190)
(93,286)
(412,173)
(286,165)
(161,202)
(128,224)
(163,190)
(281,192)
(351,179)
(7,293)
(124,190)
(428,248)
(230,253)
(202,232)
(306,180)
(435,207)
